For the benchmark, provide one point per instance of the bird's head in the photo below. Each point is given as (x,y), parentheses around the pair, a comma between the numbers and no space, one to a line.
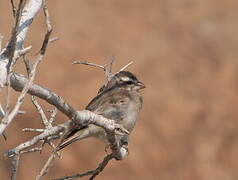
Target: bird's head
(123,79)
(129,80)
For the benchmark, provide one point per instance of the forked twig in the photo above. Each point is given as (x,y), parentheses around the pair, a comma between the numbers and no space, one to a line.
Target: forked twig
(13,8)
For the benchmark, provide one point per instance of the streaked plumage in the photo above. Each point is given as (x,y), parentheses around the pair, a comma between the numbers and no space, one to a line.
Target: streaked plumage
(119,100)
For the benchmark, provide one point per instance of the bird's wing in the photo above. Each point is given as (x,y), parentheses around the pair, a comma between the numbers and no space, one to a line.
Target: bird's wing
(110,104)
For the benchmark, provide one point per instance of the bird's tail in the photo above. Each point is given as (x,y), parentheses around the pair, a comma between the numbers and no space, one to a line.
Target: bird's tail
(81,134)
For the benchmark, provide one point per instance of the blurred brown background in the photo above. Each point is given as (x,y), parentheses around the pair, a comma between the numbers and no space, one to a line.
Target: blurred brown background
(184,51)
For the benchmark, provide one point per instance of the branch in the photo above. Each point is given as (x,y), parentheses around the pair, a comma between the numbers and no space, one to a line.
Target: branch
(15,165)
(9,117)
(93,173)
(1,38)
(19,81)
(39,109)
(126,66)
(89,64)
(13,8)
(28,14)
(46,167)
(81,119)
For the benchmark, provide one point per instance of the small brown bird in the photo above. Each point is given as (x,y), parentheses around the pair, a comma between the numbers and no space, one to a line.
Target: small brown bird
(119,100)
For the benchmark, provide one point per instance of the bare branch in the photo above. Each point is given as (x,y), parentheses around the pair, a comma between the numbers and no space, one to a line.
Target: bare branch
(10,50)
(27,65)
(126,66)
(53,115)
(89,64)
(41,112)
(93,173)
(1,38)
(81,119)
(35,149)
(8,118)
(13,8)
(46,167)
(47,16)
(108,68)
(19,81)
(53,39)
(28,14)
(22,52)
(32,130)
(2,112)
(47,133)
(15,165)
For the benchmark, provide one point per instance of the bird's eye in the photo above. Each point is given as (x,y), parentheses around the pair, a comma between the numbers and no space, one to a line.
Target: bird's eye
(130,82)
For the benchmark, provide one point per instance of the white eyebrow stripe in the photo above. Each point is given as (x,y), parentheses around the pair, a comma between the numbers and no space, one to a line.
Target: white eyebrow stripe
(125,79)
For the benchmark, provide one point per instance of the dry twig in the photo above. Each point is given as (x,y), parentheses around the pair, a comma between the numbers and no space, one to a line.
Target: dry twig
(13,8)
(39,109)
(92,173)
(8,118)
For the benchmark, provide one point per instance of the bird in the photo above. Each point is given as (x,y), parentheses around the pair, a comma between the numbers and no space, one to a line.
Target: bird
(119,100)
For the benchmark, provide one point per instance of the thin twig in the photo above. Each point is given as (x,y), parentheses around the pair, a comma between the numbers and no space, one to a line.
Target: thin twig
(10,51)
(92,173)
(35,149)
(12,45)
(2,112)
(15,164)
(32,130)
(53,115)
(53,39)
(22,52)
(89,64)
(27,65)
(41,112)
(54,147)
(126,66)
(108,68)
(46,167)
(13,8)
(47,16)
(47,134)
(1,38)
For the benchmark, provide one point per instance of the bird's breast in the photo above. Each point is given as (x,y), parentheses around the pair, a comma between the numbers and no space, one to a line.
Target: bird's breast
(131,115)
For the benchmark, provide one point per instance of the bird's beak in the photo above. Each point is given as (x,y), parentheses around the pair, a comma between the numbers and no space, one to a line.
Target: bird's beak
(140,84)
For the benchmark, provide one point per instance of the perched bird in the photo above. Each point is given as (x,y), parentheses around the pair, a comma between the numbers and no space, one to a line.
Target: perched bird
(118,100)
